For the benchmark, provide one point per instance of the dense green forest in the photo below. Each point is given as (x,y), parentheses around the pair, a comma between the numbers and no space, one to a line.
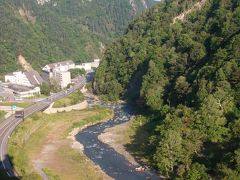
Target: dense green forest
(60,29)
(186,75)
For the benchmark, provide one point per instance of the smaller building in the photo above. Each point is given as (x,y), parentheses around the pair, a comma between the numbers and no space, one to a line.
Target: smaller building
(85,66)
(88,67)
(59,66)
(63,79)
(95,63)
(24,91)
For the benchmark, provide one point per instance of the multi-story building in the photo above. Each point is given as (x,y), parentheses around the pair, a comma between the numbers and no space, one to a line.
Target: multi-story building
(58,72)
(29,79)
(23,91)
(17,78)
(62,78)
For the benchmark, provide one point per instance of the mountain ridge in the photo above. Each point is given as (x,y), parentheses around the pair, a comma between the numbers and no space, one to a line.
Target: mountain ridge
(49,31)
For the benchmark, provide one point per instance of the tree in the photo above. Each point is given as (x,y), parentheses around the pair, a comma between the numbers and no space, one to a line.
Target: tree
(211,120)
(168,152)
(182,88)
(45,89)
(77,72)
(197,172)
(188,74)
(197,52)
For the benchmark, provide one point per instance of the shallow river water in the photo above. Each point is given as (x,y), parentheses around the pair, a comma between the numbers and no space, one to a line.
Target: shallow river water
(111,162)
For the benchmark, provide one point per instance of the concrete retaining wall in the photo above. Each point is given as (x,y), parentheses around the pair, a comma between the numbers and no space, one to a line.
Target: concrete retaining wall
(80,106)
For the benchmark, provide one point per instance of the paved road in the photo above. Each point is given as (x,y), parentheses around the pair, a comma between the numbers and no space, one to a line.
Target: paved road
(111,162)
(8,125)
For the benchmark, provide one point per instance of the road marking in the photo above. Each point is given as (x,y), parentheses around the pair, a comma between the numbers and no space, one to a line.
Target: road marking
(3,140)
(6,137)
(8,120)
(11,123)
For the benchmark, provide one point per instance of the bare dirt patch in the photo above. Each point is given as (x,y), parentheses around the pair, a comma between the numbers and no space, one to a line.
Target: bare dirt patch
(27,14)
(46,156)
(195,7)
(25,65)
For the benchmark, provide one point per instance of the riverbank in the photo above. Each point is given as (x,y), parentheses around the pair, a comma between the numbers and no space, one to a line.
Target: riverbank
(118,137)
(40,146)
(110,160)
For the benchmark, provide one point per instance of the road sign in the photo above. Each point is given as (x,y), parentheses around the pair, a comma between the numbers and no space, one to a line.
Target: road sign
(14,108)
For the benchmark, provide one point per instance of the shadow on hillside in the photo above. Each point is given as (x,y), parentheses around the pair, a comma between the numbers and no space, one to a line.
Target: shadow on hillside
(5,169)
(140,147)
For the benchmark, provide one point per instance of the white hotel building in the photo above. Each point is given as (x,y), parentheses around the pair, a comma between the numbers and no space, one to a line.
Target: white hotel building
(62,78)
(24,84)
(18,78)
(59,72)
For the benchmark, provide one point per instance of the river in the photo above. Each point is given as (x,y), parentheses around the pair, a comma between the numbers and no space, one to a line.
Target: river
(111,162)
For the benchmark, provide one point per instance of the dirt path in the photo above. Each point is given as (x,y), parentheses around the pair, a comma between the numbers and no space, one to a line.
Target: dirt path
(48,151)
(195,7)
(46,157)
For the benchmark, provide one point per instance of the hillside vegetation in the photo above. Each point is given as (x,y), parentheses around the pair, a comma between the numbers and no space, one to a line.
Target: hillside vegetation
(71,99)
(186,73)
(60,29)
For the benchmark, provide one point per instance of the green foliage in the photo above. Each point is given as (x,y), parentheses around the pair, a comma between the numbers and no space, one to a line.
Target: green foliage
(60,30)
(197,172)
(70,100)
(50,174)
(18,104)
(45,89)
(29,137)
(32,176)
(77,72)
(187,75)
(2,114)
(105,113)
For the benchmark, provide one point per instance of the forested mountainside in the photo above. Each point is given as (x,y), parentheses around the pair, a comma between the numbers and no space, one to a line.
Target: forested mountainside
(181,61)
(45,31)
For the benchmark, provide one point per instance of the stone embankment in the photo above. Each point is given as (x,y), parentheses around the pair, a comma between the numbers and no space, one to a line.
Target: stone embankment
(80,106)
